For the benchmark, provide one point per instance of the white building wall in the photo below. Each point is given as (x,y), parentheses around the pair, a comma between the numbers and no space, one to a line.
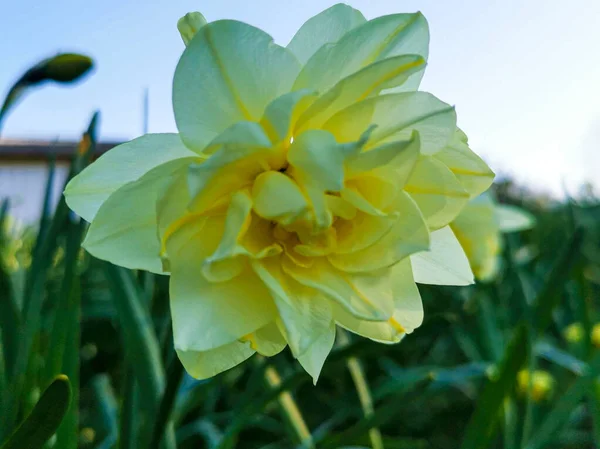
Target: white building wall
(25,184)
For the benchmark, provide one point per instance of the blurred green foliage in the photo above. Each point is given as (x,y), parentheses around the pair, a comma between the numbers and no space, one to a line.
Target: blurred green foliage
(456,382)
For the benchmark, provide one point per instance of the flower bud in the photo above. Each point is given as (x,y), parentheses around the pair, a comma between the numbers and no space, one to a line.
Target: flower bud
(189,25)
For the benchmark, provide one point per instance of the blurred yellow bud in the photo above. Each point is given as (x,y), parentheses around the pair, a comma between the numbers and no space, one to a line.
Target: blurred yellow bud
(542,384)
(574,333)
(596,335)
(87,435)
(189,25)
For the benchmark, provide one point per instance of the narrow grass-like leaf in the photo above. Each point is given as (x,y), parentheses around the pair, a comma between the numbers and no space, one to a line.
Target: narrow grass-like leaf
(362,389)
(141,345)
(44,419)
(558,417)
(382,415)
(550,295)
(46,212)
(483,424)
(128,421)
(174,377)
(107,405)
(560,358)
(482,427)
(67,308)
(10,316)
(33,295)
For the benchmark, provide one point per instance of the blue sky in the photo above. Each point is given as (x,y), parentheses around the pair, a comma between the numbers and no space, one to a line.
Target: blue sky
(524,75)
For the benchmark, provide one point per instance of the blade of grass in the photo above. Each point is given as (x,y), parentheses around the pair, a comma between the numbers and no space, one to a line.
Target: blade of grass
(563,408)
(290,409)
(482,427)
(128,422)
(34,289)
(384,414)
(108,409)
(46,213)
(174,377)
(63,355)
(44,419)
(248,410)
(362,389)
(141,346)
(10,315)
(68,305)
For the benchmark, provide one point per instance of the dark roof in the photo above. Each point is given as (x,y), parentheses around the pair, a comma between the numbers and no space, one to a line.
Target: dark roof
(39,150)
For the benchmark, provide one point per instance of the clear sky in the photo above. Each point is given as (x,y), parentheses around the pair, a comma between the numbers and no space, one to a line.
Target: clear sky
(523,74)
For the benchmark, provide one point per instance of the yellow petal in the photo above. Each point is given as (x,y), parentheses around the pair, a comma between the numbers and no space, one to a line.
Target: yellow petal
(378,190)
(205,364)
(408,307)
(225,263)
(408,310)
(361,232)
(379,331)
(303,313)
(231,168)
(281,115)
(437,192)
(477,229)
(354,197)
(277,197)
(470,170)
(317,158)
(317,163)
(396,117)
(365,295)
(408,235)
(378,39)
(367,82)
(400,155)
(340,207)
(267,341)
(313,359)
(207,315)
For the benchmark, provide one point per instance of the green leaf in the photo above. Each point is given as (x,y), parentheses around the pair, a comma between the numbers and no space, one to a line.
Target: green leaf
(44,419)
(141,346)
(62,68)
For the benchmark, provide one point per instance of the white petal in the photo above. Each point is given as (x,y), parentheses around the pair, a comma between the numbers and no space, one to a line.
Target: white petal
(326,27)
(444,264)
(512,218)
(230,71)
(121,165)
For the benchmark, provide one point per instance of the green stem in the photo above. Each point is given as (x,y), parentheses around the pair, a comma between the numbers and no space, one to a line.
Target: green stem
(290,408)
(362,389)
